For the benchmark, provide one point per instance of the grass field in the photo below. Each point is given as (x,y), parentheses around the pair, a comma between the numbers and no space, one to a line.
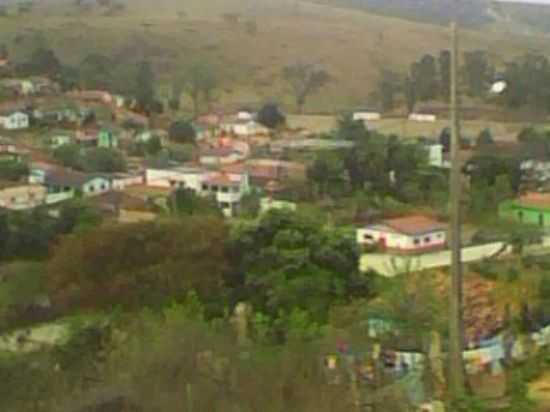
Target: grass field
(354,46)
(406,128)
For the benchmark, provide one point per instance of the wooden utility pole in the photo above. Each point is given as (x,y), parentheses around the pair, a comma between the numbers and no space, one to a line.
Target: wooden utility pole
(456,332)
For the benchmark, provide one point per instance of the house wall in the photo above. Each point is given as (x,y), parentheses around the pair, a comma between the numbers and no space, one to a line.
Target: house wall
(417,117)
(96,186)
(402,242)
(121,183)
(173,178)
(15,121)
(22,197)
(366,116)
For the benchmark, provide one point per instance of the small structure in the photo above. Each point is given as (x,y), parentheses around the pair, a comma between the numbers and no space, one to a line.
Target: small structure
(120,181)
(107,139)
(531,209)
(423,117)
(60,139)
(245,128)
(14,120)
(22,197)
(410,234)
(124,207)
(366,115)
(66,181)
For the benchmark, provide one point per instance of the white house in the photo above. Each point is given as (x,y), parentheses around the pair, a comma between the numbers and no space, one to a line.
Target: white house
(66,181)
(367,116)
(177,177)
(227,188)
(423,117)
(222,155)
(245,128)
(120,181)
(14,121)
(411,234)
(245,115)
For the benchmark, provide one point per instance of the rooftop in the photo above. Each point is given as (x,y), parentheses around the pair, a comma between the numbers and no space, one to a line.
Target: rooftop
(537,200)
(413,225)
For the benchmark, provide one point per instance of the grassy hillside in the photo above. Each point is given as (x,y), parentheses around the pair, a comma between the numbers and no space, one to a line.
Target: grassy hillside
(353,45)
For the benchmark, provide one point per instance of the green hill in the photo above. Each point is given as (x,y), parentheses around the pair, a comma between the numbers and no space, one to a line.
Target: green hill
(354,46)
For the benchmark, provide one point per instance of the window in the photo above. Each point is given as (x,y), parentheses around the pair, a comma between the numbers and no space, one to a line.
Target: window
(416,241)
(205,188)
(225,205)
(91,188)
(368,237)
(214,188)
(172,183)
(427,239)
(236,189)
(224,189)
(103,187)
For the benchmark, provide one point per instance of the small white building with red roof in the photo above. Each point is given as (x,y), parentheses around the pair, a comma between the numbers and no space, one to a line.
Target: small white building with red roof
(409,234)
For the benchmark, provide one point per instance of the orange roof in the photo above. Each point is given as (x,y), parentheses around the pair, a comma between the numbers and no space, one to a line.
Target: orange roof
(414,225)
(535,200)
(221,179)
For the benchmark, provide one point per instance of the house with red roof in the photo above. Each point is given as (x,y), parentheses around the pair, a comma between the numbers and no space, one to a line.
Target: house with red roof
(409,234)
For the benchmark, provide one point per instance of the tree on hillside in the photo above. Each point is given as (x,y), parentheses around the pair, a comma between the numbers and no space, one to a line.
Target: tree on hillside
(104,160)
(409,91)
(201,80)
(45,62)
(445,74)
(95,72)
(485,138)
(182,132)
(145,93)
(139,264)
(424,77)
(305,80)
(270,116)
(477,72)
(387,89)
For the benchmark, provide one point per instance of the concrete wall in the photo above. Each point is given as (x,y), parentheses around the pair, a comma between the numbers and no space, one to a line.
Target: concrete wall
(392,265)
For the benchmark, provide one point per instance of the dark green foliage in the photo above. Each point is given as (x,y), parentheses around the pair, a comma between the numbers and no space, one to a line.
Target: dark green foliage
(424,78)
(182,132)
(185,202)
(69,155)
(13,171)
(145,93)
(445,74)
(387,89)
(102,159)
(290,261)
(98,159)
(485,138)
(270,116)
(477,72)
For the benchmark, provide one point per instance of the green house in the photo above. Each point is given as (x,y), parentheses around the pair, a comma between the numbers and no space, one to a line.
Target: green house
(531,209)
(107,139)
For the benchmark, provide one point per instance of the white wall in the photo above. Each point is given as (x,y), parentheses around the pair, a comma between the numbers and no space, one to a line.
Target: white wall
(401,241)
(15,121)
(391,265)
(366,116)
(96,186)
(120,183)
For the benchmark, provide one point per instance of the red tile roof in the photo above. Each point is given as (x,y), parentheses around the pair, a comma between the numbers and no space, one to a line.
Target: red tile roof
(541,200)
(415,225)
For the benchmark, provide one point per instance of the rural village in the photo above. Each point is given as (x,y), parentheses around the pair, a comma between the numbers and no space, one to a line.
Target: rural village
(240,249)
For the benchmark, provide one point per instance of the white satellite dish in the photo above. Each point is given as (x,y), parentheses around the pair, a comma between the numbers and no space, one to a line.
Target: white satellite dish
(498,87)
